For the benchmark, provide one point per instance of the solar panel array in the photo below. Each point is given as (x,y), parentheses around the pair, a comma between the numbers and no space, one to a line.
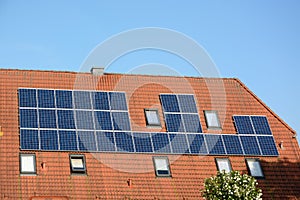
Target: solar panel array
(89,121)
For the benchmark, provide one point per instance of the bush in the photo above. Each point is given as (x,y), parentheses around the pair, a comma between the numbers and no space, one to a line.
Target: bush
(231,185)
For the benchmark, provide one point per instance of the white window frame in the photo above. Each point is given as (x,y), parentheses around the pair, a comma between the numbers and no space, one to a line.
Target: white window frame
(27,164)
(76,169)
(254,168)
(161,171)
(223,164)
(148,122)
(216,116)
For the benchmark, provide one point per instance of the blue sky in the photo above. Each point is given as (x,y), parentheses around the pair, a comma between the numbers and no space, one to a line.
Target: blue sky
(255,41)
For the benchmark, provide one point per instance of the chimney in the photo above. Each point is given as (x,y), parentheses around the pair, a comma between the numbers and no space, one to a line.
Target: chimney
(97,71)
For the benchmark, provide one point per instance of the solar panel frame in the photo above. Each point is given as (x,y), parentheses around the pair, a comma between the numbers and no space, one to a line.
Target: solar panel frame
(143,142)
(187,103)
(29,139)
(68,140)
(117,101)
(267,145)
(87,141)
(28,118)
(215,144)
(121,121)
(192,123)
(47,118)
(106,141)
(261,125)
(174,123)
(64,99)
(124,142)
(161,142)
(169,102)
(197,144)
(179,143)
(27,98)
(46,98)
(84,120)
(100,101)
(233,145)
(103,120)
(243,124)
(82,100)
(250,145)
(49,140)
(66,119)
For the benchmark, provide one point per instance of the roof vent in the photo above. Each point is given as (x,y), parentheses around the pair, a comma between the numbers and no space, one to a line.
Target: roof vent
(97,71)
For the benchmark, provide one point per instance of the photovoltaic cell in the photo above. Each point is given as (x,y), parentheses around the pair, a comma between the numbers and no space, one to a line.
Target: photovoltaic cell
(142,142)
(87,141)
(192,123)
(27,98)
(28,118)
(82,100)
(66,119)
(84,120)
(243,124)
(46,99)
(261,125)
(232,144)
(103,120)
(179,143)
(68,140)
(169,103)
(174,123)
(267,145)
(187,104)
(47,118)
(29,139)
(121,121)
(117,101)
(124,142)
(100,100)
(49,139)
(161,142)
(197,144)
(215,145)
(250,145)
(64,99)
(105,141)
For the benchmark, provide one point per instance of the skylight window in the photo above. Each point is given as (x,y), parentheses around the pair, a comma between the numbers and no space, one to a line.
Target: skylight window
(223,164)
(27,164)
(162,167)
(152,117)
(254,167)
(77,164)
(212,119)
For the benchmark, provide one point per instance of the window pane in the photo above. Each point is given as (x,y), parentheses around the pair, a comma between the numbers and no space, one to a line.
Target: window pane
(255,168)
(223,164)
(212,120)
(152,117)
(27,163)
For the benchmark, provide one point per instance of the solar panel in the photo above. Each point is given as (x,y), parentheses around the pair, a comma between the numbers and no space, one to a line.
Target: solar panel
(214,144)
(261,125)
(46,99)
(100,100)
(106,141)
(64,99)
(161,142)
(66,119)
(29,139)
(68,140)
(103,120)
(192,123)
(169,103)
(250,145)
(187,104)
(142,142)
(84,120)
(197,144)
(267,145)
(82,100)
(117,101)
(28,118)
(179,143)
(124,142)
(49,139)
(174,123)
(87,141)
(27,98)
(243,124)
(121,121)
(47,118)
(232,144)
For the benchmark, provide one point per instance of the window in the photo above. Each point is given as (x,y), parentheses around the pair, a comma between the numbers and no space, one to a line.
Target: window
(152,117)
(254,167)
(77,163)
(212,119)
(162,167)
(223,164)
(27,164)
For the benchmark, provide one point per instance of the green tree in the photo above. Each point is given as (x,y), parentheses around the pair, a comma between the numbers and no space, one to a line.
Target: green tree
(232,185)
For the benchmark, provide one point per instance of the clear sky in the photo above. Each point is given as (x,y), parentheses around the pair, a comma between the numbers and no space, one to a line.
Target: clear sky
(253,40)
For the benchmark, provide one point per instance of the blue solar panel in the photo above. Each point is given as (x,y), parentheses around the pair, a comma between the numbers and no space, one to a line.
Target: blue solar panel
(215,145)
(63,99)
(161,142)
(179,143)
(68,140)
(187,104)
(243,124)
(142,142)
(121,121)
(233,145)
(169,103)
(197,144)
(28,118)
(261,125)
(192,123)
(87,141)
(174,123)
(46,99)
(267,145)
(103,120)
(66,119)
(27,98)
(49,139)
(117,101)
(84,120)
(47,119)
(100,100)
(106,141)
(250,145)
(29,139)
(124,142)
(82,100)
